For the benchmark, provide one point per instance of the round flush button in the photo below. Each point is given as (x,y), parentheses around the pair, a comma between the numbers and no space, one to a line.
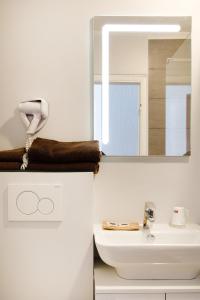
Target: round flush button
(27,202)
(45,206)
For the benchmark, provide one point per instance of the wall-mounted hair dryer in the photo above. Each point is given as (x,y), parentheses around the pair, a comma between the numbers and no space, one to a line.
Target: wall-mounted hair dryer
(34,114)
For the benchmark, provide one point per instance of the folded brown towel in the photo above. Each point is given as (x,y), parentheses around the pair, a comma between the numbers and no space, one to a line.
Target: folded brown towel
(10,166)
(39,167)
(50,151)
(14,155)
(49,155)
(67,167)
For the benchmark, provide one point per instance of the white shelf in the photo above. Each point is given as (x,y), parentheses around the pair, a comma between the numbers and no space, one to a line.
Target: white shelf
(108,282)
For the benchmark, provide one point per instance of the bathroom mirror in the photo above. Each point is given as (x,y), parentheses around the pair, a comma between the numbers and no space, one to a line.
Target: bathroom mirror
(142,85)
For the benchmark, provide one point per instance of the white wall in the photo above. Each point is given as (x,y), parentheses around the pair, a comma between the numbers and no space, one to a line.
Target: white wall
(45,51)
(134,62)
(48,260)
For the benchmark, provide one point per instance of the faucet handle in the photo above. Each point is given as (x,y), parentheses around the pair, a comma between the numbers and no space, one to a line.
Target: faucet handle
(150,213)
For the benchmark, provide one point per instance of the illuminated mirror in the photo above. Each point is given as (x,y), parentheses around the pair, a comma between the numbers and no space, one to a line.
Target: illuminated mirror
(142,85)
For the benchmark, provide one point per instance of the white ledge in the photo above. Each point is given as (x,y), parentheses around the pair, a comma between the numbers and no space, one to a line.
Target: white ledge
(108,282)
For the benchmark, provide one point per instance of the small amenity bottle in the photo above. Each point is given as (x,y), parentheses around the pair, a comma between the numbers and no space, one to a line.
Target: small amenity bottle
(178,217)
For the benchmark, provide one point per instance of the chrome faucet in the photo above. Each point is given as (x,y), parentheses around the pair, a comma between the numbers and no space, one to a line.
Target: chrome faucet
(149,214)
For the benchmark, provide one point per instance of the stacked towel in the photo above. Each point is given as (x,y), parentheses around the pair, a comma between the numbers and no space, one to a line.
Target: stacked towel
(11,160)
(12,155)
(50,155)
(50,151)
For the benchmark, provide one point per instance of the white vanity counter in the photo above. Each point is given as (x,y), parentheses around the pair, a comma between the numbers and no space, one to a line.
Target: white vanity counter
(108,285)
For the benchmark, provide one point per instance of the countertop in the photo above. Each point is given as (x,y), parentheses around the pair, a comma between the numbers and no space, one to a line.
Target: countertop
(107,281)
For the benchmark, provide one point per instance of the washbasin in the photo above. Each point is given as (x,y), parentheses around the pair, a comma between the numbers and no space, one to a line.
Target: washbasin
(173,253)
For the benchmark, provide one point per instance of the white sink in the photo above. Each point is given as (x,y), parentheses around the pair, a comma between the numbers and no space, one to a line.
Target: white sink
(173,254)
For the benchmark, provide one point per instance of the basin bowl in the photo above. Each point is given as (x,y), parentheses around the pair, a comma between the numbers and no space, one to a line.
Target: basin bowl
(173,253)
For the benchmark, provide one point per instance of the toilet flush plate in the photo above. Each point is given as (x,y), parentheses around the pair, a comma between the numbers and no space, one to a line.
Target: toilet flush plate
(35,202)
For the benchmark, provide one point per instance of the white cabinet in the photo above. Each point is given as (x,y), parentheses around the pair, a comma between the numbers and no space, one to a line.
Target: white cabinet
(183,296)
(109,286)
(131,297)
(173,296)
